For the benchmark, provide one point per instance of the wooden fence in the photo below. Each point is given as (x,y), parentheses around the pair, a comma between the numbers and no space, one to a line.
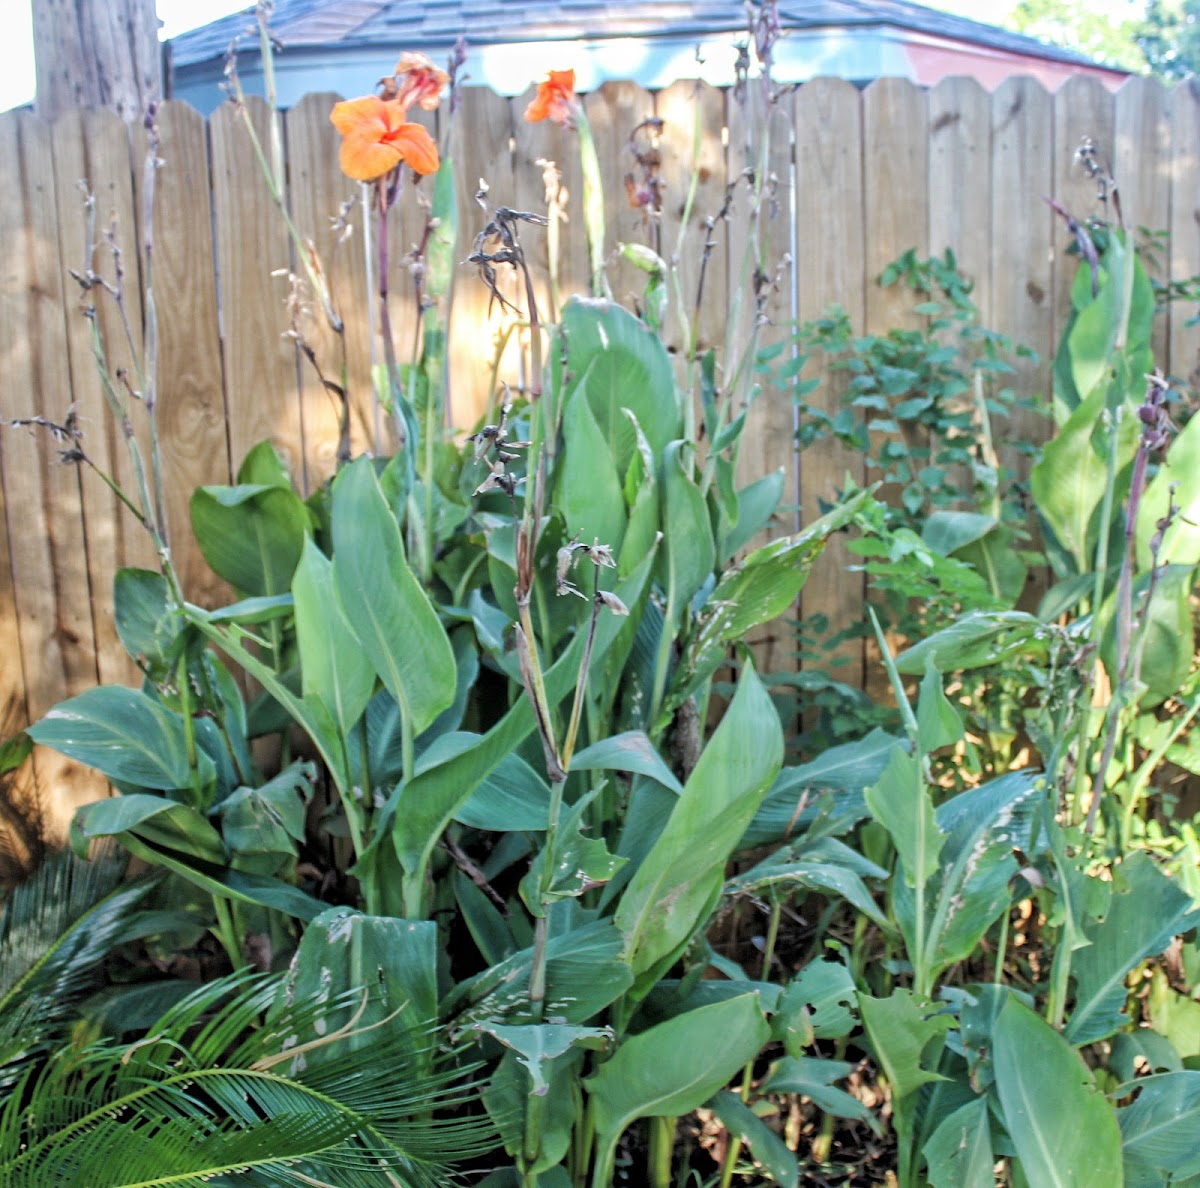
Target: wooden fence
(861,176)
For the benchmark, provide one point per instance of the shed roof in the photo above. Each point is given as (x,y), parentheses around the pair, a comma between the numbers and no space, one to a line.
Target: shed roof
(417,23)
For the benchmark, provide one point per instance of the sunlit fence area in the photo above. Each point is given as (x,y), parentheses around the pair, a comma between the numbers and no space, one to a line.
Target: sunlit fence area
(858,177)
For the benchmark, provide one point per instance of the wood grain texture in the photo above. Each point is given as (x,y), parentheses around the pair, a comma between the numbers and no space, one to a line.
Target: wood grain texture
(677,107)
(830,270)
(614,111)
(478,323)
(1184,341)
(92,147)
(535,147)
(191,393)
(42,496)
(1082,108)
(960,182)
(251,245)
(1142,165)
(324,203)
(769,440)
(896,201)
(1024,235)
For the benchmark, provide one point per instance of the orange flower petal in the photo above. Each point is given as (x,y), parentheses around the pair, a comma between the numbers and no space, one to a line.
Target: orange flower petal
(352,114)
(377,139)
(416,148)
(555,99)
(366,158)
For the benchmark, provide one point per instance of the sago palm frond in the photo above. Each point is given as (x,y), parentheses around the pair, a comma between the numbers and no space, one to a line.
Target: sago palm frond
(55,929)
(214,1095)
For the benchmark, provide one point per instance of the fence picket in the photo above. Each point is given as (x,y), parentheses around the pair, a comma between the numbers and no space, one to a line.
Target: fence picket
(831,270)
(1184,342)
(46,537)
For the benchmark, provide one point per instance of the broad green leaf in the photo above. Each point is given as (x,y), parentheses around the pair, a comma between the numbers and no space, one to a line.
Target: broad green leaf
(678,882)
(900,1028)
(633,752)
(756,503)
(577,863)
(1159,1129)
(769,1150)
(813,1078)
(818,1003)
(512,797)
(383,602)
(688,553)
(1069,481)
(756,590)
(172,835)
(144,618)
(796,795)
(269,819)
(1175,1016)
(125,735)
(1064,1130)
(901,803)
(549,1118)
(970,888)
(1147,909)
(906,1034)
(389,964)
(424,806)
(263,466)
(948,531)
(589,487)
(538,1045)
(1168,646)
(584,974)
(673,1068)
(976,640)
(622,365)
(1177,482)
(780,871)
(938,723)
(997,559)
(959,1152)
(251,535)
(1141,1051)
(334,668)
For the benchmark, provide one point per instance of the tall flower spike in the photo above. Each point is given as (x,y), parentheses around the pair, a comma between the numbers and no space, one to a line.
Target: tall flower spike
(555,99)
(376,138)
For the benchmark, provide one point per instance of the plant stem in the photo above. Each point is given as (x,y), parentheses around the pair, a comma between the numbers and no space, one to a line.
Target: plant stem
(662,1147)
(226,931)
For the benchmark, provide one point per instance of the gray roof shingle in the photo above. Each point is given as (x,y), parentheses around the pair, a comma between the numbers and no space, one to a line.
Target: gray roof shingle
(417,23)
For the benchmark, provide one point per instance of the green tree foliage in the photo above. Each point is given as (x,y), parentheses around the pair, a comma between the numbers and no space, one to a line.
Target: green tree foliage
(1170,38)
(1086,28)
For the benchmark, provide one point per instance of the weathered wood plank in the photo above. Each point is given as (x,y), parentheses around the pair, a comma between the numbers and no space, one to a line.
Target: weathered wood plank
(831,270)
(678,107)
(252,244)
(1082,108)
(1142,165)
(93,147)
(1022,248)
(769,440)
(191,392)
(614,111)
(896,201)
(46,538)
(478,323)
(326,209)
(1184,340)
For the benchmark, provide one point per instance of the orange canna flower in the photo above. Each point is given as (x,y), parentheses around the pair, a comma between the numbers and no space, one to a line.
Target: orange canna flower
(376,138)
(555,99)
(418,81)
